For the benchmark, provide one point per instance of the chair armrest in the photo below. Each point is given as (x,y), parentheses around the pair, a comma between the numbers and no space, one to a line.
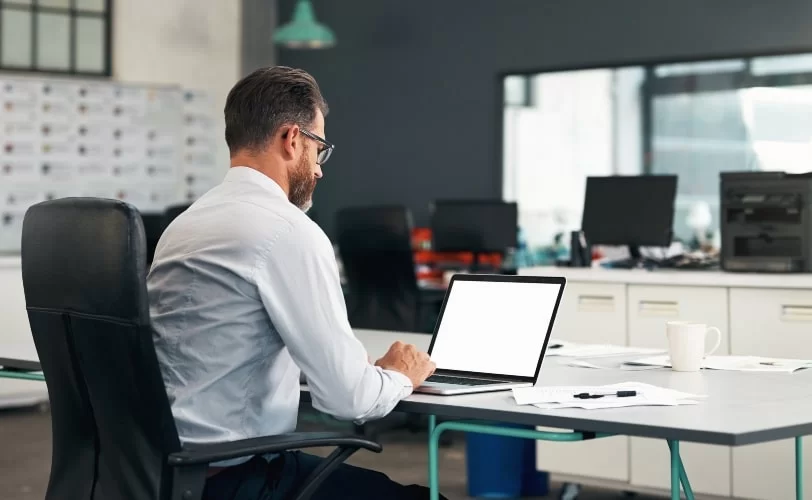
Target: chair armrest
(207,453)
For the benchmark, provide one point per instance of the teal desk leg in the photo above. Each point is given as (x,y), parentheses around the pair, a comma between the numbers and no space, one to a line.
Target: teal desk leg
(481,428)
(434,458)
(681,474)
(799,468)
(675,462)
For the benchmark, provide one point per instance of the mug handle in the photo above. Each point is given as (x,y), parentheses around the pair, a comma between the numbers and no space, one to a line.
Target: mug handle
(718,340)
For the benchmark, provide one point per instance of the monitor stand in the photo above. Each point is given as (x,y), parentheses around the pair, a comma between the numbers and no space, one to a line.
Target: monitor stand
(634,260)
(478,268)
(634,253)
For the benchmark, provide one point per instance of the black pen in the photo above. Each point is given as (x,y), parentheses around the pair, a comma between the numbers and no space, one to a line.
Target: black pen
(620,394)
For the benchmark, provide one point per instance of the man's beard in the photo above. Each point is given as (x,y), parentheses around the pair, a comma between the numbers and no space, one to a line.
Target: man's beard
(302,183)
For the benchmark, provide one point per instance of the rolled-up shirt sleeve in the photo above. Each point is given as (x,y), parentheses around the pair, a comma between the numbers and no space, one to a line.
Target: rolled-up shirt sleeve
(299,285)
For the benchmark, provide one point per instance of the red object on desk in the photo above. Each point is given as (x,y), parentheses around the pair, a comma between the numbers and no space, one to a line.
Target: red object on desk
(428,261)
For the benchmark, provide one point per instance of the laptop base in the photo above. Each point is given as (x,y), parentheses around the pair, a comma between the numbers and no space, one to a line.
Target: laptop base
(454,389)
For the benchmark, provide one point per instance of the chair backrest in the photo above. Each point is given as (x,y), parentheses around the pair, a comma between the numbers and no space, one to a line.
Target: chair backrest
(84,275)
(375,247)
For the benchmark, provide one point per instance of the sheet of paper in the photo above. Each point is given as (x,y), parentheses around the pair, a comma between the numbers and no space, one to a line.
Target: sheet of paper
(568,349)
(734,363)
(646,395)
(601,404)
(585,364)
(579,363)
(656,361)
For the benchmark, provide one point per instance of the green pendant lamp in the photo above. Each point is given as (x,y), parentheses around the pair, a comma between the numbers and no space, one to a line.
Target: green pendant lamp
(304,32)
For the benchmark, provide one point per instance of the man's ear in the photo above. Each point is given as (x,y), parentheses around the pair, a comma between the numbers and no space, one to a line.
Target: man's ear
(289,137)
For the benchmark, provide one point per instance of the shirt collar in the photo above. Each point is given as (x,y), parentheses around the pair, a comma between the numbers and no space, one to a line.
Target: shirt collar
(250,175)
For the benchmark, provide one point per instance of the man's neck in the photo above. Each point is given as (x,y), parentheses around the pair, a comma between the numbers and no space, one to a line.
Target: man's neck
(263,167)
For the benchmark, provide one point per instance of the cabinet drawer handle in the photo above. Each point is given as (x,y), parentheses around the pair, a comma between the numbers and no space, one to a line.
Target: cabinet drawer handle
(659,308)
(596,303)
(796,313)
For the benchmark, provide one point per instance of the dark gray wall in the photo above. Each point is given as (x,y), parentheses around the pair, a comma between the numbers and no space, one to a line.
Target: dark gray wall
(414,87)
(258,23)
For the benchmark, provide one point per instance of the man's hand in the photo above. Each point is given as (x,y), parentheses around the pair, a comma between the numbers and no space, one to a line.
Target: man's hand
(406,359)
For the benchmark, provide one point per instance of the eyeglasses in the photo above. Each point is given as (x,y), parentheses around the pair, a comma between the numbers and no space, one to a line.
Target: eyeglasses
(325,152)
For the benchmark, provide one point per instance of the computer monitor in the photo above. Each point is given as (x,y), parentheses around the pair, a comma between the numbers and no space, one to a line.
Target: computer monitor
(629,210)
(479,226)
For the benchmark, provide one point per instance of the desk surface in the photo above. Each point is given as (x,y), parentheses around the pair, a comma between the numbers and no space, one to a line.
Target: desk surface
(675,277)
(741,408)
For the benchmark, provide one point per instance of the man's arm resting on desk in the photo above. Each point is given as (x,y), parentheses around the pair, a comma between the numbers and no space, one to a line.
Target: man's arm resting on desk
(299,284)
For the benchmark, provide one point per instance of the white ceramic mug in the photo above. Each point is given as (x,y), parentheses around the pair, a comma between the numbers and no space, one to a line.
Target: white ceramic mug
(686,344)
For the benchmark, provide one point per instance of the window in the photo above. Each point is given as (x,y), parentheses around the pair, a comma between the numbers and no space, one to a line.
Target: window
(56,36)
(577,124)
(692,119)
(753,114)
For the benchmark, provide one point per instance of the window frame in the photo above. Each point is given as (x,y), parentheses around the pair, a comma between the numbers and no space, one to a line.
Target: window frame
(73,13)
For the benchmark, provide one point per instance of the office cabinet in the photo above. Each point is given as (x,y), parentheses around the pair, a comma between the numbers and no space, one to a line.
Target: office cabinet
(592,313)
(770,322)
(650,308)
(767,471)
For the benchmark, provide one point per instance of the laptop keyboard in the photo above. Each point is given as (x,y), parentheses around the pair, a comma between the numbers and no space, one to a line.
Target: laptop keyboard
(445,379)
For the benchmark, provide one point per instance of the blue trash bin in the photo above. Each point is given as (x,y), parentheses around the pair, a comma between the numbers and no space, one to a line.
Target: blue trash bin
(503,467)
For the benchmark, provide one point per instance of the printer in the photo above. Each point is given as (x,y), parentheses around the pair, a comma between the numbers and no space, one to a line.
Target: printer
(766,222)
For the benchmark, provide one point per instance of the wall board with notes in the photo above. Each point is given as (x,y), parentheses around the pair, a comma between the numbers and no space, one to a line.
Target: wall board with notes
(151,146)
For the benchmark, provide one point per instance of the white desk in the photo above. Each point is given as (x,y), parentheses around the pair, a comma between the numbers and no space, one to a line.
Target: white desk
(741,409)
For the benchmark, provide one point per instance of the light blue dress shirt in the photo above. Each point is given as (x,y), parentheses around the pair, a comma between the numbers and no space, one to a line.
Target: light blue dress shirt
(244,292)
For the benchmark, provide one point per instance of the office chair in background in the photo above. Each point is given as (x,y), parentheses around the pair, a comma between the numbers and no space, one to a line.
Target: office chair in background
(114,437)
(173,211)
(374,243)
(153,229)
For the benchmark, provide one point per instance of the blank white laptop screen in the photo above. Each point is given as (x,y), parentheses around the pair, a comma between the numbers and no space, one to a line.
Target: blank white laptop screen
(494,327)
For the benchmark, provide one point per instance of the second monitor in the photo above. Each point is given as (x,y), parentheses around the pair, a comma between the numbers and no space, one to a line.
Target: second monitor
(630,210)
(478,226)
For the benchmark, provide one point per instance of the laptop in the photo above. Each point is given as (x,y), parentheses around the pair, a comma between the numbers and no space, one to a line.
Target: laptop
(492,332)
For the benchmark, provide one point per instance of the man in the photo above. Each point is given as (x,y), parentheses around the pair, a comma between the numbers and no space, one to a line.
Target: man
(244,292)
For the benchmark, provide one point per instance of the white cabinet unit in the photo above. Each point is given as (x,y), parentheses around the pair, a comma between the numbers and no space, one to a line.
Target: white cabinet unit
(592,312)
(770,322)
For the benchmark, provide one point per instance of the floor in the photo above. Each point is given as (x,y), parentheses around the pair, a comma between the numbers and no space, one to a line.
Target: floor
(24,473)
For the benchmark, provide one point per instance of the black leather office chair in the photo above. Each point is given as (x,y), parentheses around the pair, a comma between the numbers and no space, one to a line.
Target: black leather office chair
(375,247)
(114,436)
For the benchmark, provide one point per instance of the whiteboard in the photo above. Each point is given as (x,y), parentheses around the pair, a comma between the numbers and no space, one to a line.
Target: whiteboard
(151,146)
